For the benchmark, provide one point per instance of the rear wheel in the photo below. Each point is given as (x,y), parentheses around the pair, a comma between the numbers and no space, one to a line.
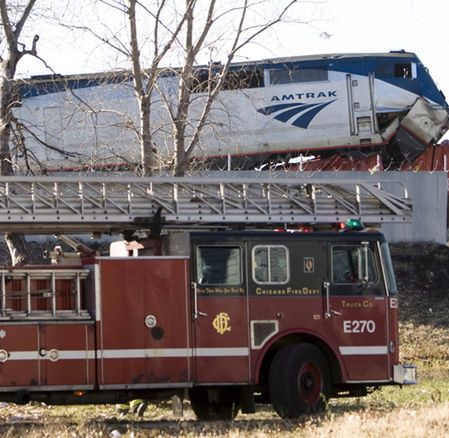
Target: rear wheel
(214,404)
(299,382)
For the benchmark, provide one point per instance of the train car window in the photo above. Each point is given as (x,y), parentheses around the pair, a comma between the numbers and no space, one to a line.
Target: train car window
(403,71)
(270,264)
(291,76)
(218,265)
(353,265)
(238,79)
(200,82)
(384,71)
(205,80)
(400,70)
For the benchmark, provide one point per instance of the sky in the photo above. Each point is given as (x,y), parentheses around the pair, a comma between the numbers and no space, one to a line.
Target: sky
(359,26)
(333,26)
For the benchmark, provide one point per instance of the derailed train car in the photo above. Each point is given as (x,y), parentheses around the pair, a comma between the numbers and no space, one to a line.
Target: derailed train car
(385,103)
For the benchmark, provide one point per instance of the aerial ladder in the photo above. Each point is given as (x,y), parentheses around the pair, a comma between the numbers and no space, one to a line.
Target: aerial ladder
(114,204)
(37,205)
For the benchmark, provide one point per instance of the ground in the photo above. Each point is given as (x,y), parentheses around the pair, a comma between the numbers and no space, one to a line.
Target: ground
(422,275)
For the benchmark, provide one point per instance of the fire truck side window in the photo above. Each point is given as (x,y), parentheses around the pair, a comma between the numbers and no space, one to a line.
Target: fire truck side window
(219,265)
(270,264)
(353,265)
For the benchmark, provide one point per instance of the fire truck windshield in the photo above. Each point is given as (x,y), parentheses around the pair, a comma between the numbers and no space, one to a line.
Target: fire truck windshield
(388,266)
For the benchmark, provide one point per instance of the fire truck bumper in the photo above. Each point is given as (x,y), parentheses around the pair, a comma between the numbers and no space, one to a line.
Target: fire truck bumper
(404,374)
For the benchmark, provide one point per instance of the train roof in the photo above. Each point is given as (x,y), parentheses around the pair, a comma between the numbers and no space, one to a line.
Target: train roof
(120,74)
(333,56)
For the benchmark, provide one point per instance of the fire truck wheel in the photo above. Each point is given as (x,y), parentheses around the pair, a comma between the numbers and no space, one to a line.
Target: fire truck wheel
(299,382)
(214,404)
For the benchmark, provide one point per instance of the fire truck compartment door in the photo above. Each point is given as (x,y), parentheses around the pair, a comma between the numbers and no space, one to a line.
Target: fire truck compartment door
(19,355)
(145,327)
(357,311)
(66,352)
(220,314)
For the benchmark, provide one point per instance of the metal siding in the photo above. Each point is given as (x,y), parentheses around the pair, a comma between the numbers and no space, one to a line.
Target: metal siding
(428,191)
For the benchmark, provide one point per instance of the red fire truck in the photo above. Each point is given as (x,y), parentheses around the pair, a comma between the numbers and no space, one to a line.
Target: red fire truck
(234,317)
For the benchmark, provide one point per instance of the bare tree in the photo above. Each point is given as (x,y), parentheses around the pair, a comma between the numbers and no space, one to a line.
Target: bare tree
(186,130)
(242,35)
(145,79)
(12,52)
(180,33)
(14,15)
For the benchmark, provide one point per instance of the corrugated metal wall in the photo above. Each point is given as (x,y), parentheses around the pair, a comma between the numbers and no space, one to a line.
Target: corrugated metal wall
(428,191)
(429,194)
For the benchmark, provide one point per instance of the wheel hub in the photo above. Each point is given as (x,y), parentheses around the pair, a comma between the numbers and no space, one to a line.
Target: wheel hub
(309,383)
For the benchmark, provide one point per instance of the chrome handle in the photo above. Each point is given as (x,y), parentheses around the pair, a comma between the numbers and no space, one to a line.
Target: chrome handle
(327,313)
(196,312)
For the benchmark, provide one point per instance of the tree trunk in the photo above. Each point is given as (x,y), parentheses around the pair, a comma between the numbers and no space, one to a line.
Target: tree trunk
(180,153)
(6,94)
(15,241)
(17,248)
(180,122)
(146,145)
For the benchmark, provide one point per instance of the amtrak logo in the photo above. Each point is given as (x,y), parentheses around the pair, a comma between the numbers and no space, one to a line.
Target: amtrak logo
(298,114)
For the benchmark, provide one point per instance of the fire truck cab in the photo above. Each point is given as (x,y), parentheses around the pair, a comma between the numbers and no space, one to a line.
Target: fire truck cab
(233,317)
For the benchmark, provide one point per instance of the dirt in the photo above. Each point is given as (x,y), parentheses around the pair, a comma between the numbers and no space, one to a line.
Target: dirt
(422,275)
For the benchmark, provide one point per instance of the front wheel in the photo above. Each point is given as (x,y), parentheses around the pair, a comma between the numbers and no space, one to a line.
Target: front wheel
(214,404)
(299,382)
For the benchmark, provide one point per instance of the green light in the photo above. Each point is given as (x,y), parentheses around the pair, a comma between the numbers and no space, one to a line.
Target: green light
(354,225)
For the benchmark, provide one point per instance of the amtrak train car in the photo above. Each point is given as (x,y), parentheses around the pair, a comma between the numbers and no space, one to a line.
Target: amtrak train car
(386,103)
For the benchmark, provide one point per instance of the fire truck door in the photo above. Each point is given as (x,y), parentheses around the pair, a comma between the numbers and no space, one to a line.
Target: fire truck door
(220,314)
(356,310)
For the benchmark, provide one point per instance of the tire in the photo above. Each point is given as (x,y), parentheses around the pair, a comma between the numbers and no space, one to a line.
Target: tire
(299,381)
(214,404)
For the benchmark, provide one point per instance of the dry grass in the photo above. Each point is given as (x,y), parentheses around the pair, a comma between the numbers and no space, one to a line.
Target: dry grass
(431,421)
(418,411)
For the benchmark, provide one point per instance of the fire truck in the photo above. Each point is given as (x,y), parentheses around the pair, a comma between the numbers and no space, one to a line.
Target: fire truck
(221,299)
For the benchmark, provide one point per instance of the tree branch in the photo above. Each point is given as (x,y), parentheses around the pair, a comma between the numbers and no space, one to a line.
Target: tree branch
(6,24)
(24,17)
